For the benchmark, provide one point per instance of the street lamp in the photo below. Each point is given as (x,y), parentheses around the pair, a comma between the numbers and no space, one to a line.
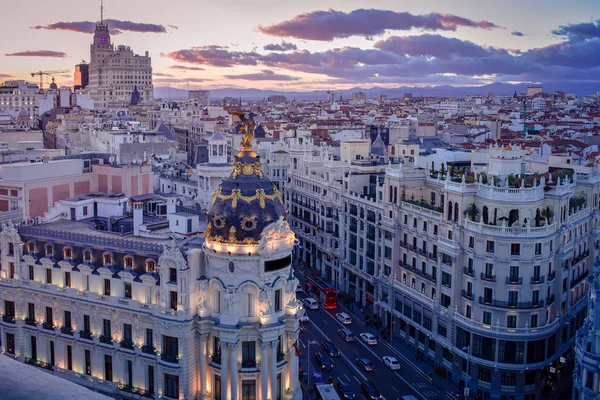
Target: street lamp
(468,387)
(308,363)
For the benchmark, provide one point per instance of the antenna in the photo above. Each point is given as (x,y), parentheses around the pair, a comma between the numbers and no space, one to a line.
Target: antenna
(101,10)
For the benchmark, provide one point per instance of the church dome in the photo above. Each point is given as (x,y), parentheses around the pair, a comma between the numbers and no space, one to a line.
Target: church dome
(53,85)
(244,204)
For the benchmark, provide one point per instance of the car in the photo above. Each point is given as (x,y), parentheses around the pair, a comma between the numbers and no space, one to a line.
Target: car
(310,303)
(324,360)
(370,390)
(368,338)
(343,318)
(346,334)
(299,288)
(331,349)
(344,389)
(391,362)
(365,364)
(304,318)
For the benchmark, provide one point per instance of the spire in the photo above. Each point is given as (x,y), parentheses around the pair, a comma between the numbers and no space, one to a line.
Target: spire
(101,10)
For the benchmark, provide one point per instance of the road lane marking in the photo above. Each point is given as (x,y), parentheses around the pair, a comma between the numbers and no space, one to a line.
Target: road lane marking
(356,378)
(325,322)
(302,343)
(347,379)
(394,389)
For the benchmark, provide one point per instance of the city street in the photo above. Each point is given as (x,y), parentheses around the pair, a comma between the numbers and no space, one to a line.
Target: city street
(392,384)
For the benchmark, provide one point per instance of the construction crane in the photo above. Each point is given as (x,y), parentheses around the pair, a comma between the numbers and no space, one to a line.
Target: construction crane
(42,73)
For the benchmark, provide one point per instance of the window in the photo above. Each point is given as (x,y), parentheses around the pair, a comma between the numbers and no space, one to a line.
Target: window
(107,287)
(509,379)
(250,311)
(445,300)
(217,301)
(150,387)
(106,331)
(538,248)
(170,348)
(489,270)
(278,299)
(108,373)
(468,311)
(127,336)
(31,311)
(67,279)
(249,354)
(49,319)
(86,324)
(69,358)
(67,320)
(446,279)
(173,299)
(67,253)
(10,343)
(487,317)
(31,272)
(471,242)
(484,374)
(487,295)
(127,290)
(48,276)
(217,391)
(85,211)
(172,386)
(128,262)
(530,377)
(248,390)
(87,357)
(31,247)
(513,298)
(515,249)
(107,258)
(511,321)
(150,266)
(513,273)
(87,255)
(490,246)
(172,275)
(534,321)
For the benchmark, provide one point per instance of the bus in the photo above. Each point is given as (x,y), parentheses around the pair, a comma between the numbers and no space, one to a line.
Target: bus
(326,391)
(327,294)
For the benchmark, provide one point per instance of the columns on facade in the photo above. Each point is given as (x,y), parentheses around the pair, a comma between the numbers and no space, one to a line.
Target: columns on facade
(293,360)
(203,362)
(234,371)
(224,371)
(274,369)
(264,374)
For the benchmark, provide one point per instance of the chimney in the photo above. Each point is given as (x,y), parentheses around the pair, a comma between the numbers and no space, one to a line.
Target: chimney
(171,205)
(138,217)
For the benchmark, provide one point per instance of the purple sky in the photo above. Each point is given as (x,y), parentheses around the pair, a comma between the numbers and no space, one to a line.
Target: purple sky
(317,44)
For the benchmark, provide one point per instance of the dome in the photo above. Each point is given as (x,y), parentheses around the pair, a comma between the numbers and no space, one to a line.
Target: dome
(244,204)
(53,86)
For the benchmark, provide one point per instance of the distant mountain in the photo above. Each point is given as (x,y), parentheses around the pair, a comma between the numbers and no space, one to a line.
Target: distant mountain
(582,89)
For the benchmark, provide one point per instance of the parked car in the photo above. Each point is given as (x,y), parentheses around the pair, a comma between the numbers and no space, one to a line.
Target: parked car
(344,389)
(304,318)
(365,364)
(310,303)
(331,349)
(368,338)
(391,362)
(344,318)
(370,390)
(299,288)
(324,360)
(346,334)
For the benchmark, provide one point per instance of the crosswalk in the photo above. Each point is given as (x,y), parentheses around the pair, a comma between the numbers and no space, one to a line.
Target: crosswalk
(425,390)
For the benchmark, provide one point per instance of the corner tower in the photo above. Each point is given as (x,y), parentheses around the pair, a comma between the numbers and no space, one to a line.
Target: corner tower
(247,294)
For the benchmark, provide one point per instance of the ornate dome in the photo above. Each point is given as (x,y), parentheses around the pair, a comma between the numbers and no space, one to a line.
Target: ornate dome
(244,203)
(53,85)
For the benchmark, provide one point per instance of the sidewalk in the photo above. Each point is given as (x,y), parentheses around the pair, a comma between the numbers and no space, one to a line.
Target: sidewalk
(445,385)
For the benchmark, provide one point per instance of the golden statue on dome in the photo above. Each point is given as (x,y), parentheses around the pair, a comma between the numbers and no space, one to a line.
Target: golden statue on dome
(247,127)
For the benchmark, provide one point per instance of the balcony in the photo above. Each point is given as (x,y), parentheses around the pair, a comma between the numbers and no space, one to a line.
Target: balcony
(85,335)
(489,278)
(9,319)
(581,256)
(466,295)
(551,276)
(433,256)
(249,364)
(403,244)
(170,358)
(513,280)
(536,280)
(106,339)
(469,272)
(126,344)
(422,252)
(522,305)
(30,322)
(148,349)
(48,326)
(66,330)
(550,300)
(579,279)
(216,358)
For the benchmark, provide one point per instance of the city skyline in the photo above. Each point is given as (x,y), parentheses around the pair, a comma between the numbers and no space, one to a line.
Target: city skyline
(315,45)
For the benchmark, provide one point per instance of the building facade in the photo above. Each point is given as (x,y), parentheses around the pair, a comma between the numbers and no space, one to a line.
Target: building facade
(114,73)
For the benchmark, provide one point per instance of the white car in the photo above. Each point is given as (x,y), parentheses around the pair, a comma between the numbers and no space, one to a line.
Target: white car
(391,362)
(304,318)
(344,318)
(310,303)
(368,338)
(299,288)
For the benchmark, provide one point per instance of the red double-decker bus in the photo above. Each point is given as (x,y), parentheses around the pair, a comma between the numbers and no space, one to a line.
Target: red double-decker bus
(327,294)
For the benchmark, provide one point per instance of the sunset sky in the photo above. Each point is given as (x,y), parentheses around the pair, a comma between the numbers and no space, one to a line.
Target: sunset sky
(306,45)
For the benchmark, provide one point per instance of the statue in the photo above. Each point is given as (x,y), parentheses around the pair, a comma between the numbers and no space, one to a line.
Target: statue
(266,302)
(202,302)
(279,229)
(231,301)
(291,290)
(247,128)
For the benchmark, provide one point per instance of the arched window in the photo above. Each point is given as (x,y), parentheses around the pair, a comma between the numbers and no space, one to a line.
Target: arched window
(449,211)
(107,258)
(87,255)
(455,212)
(391,194)
(67,253)
(395,195)
(150,266)
(31,247)
(49,250)
(128,262)
(485,214)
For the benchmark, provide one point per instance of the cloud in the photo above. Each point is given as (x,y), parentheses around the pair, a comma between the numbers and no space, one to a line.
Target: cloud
(517,33)
(213,55)
(5,76)
(179,80)
(186,68)
(161,74)
(432,46)
(38,53)
(173,26)
(115,26)
(283,46)
(264,75)
(585,30)
(331,24)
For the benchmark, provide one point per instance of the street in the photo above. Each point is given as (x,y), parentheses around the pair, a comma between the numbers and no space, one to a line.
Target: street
(323,326)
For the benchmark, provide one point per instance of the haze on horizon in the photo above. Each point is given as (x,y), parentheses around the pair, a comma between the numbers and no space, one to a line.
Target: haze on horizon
(309,45)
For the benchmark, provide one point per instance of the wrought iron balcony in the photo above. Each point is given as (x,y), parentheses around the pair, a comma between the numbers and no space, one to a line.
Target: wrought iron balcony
(467,295)
(8,318)
(48,325)
(106,339)
(550,300)
(536,280)
(148,349)
(551,276)
(85,335)
(579,279)
(433,256)
(170,358)
(126,344)
(469,272)
(66,330)
(524,305)
(489,278)
(30,322)
(513,280)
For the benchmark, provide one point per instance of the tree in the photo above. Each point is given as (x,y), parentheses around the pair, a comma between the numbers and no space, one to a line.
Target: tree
(472,211)
(442,170)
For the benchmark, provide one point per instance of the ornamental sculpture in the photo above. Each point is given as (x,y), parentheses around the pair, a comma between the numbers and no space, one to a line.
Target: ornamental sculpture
(247,128)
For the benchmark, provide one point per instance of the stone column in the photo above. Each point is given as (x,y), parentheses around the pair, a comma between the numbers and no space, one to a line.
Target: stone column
(274,369)
(224,372)
(264,373)
(234,371)
(203,358)
(293,360)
